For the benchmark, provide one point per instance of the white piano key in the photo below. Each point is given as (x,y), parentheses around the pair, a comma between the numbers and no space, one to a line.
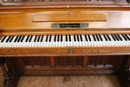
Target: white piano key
(84,41)
(1,40)
(4,43)
(104,41)
(92,41)
(52,41)
(44,41)
(72,40)
(63,41)
(123,40)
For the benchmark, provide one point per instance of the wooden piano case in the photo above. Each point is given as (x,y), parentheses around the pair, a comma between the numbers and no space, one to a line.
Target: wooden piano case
(30,19)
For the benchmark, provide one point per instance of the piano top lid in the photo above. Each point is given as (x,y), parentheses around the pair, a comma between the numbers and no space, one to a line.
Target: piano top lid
(64,3)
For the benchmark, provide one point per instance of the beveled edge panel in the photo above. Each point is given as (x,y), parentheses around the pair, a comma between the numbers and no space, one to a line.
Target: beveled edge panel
(68,17)
(59,73)
(68,69)
(64,51)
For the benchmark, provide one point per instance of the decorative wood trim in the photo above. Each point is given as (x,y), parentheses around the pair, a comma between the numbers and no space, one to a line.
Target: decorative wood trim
(68,17)
(52,62)
(10,79)
(85,61)
(61,73)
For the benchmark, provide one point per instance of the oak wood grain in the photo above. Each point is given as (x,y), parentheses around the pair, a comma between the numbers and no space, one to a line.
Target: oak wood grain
(68,17)
(63,51)
(65,32)
(1,35)
(23,19)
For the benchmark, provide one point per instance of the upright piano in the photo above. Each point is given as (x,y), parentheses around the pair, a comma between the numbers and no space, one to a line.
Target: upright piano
(64,37)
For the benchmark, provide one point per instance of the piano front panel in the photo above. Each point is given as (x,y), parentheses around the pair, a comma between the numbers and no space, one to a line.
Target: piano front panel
(68,63)
(41,20)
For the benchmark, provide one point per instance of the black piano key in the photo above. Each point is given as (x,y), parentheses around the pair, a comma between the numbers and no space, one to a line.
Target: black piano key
(89,37)
(2,40)
(124,37)
(38,38)
(81,38)
(58,38)
(19,39)
(30,38)
(61,38)
(97,37)
(69,38)
(100,37)
(22,39)
(113,37)
(116,37)
(27,39)
(42,38)
(8,38)
(50,38)
(108,37)
(46,38)
(55,38)
(74,38)
(94,37)
(66,38)
(11,39)
(119,37)
(16,38)
(86,37)
(127,37)
(105,37)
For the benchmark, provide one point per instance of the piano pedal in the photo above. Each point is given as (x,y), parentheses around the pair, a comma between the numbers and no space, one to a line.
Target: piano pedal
(67,78)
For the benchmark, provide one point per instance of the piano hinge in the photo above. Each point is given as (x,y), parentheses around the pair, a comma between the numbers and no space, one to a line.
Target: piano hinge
(70,50)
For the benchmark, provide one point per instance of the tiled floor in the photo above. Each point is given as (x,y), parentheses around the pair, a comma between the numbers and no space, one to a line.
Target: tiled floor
(61,81)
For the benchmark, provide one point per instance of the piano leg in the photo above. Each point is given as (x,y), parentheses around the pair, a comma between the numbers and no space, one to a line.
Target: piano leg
(124,73)
(9,72)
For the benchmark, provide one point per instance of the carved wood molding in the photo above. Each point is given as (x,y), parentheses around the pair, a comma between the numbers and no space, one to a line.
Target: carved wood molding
(9,78)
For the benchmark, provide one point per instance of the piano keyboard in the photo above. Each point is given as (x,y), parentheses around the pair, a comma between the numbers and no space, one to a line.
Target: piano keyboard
(66,40)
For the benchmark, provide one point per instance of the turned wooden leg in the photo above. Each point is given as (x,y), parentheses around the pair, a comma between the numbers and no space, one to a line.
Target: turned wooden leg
(6,74)
(124,72)
(10,80)
(126,76)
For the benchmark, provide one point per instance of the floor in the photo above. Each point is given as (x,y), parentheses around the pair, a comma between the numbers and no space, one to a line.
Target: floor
(62,81)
